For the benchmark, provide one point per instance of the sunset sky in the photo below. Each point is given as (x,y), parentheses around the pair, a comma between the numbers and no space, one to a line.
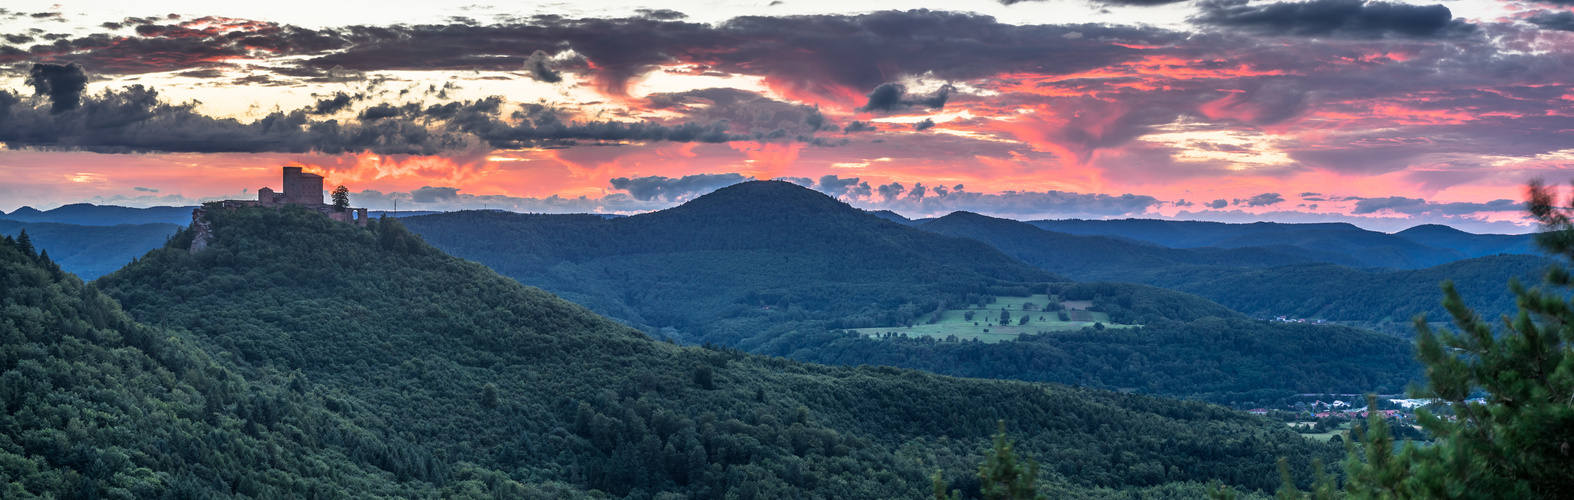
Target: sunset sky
(1383,114)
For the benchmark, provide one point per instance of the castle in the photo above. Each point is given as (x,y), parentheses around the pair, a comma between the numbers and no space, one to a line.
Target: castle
(302,189)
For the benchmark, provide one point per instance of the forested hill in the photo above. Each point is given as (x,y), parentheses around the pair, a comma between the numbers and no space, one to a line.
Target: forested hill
(528,395)
(1260,281)
(1093,257)
(99,406)
(1341,293)
(727,265)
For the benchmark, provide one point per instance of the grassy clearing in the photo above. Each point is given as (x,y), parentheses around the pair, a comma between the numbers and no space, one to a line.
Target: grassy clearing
(983,328)
(1320,436)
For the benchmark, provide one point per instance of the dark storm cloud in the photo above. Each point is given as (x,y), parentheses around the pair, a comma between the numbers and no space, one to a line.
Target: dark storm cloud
(890,97)
(198,43)
(820,55)
(335,103)
(1417,206)
(858,126)
(135,119)
(539,66)
(1334,18)
(62,84)
(747,113)
(1561,21)
(1132,3)
(665,188)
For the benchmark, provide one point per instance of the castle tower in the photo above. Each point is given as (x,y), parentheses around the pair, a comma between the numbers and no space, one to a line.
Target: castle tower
(302,188)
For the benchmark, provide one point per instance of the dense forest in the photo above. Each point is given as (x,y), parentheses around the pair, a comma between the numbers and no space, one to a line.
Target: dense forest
(1341,293)
(1260,281)
(1094,257)
(1235,361)
(322,339)
(100,406)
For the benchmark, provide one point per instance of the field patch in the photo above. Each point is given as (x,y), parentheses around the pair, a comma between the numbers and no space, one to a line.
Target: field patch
(985,325)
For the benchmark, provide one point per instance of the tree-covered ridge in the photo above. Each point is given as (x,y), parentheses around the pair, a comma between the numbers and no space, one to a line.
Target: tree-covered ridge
(1224,360)
(1093,257)
(726,266)
(489,375)
(99,406)
(1342,293)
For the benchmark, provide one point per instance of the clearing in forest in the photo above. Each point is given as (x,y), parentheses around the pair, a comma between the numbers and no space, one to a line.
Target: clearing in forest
(985,325)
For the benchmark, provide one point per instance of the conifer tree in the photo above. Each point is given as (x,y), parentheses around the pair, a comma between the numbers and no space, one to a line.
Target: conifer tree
(1517,439)
(25,244)
(1003,477)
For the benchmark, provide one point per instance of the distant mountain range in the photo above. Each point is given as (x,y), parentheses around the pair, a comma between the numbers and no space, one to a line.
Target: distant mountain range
(85,214)
(1334,242)
(92,251)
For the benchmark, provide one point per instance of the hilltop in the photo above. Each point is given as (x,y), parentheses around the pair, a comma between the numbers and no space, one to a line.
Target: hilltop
(522,391)
(773,268)
(726,265)
(100,406)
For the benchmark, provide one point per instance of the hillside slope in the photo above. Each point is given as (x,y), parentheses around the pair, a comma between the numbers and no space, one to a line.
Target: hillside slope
(99,406)
(729,264)
(484,371)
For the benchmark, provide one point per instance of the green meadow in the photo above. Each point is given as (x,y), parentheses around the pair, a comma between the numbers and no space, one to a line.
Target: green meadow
(985,324)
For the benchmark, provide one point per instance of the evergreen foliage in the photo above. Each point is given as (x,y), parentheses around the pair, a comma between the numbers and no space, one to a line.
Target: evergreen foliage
(99,406)
(1516,440)
(1223,360)
(399,339)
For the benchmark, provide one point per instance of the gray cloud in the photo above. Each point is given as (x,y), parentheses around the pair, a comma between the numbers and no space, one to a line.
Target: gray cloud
(1416,206)
(1334,18)
(1217,204)
(539,66)
(891,97)
(429,194)
(665,188)
(62,84)
(1261,200)
(890,192)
